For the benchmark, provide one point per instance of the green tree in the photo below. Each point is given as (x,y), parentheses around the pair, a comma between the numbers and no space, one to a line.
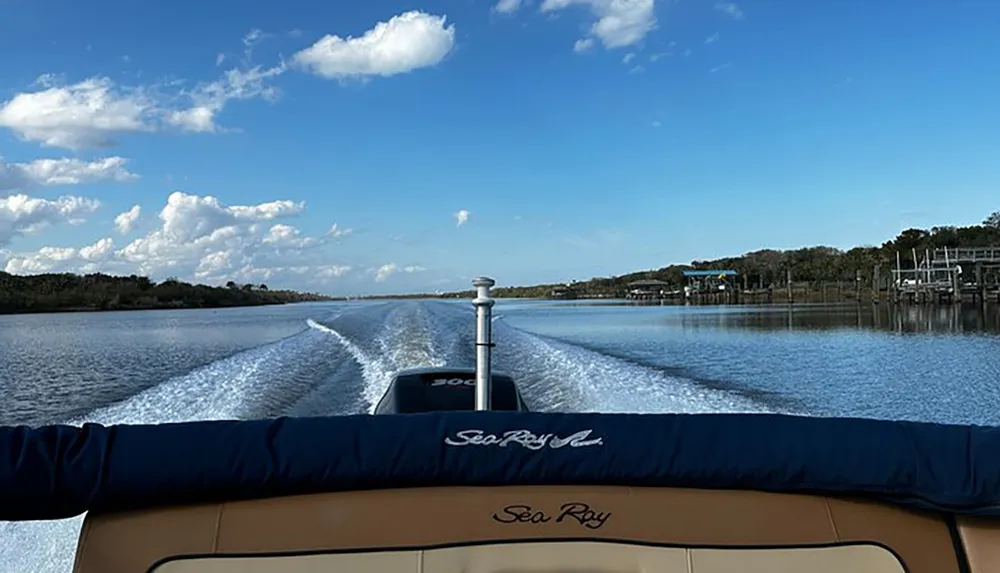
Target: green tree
(58,292)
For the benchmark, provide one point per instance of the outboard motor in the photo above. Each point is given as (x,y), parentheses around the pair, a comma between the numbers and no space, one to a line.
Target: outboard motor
(448,389)
(445,389)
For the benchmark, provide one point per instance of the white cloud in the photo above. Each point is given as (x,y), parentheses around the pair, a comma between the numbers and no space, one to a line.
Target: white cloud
(332,271)
(507,6)
(712,39)
(628,57)
(336,232)
(90,113)
(619,23)
(24,215)
(385,271)
(88,259)
(720,67)
(462,216)
(729,9)
(191,217)
(583,45)
(125,221)
(198,239)
(210,98)
(46,260)
(64,171)
(98,251)
(250,41)
(288,235)
(656,123)
(406,42)
(97,111)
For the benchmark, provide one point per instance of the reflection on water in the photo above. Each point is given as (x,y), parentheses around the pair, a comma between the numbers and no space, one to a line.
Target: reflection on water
(929,319)
(929,363)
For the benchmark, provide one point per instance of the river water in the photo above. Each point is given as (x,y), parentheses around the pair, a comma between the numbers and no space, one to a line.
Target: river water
(919,363)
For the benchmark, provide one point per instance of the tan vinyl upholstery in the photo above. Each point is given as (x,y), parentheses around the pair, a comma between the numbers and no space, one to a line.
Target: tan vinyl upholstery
(981,541)
(532,530)
(575,556)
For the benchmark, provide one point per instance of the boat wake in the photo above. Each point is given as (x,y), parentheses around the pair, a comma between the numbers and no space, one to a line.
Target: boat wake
(343,364)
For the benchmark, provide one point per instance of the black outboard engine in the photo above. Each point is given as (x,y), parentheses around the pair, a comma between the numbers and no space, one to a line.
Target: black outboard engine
(448,389)
(445,389)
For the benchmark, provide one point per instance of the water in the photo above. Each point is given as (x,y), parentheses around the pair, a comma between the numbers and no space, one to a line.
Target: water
(934,364)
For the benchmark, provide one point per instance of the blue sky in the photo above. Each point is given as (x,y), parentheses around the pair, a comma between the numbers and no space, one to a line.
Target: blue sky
(580,137)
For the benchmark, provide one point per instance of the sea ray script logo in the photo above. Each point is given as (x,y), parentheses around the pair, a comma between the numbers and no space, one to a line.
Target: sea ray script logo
(523,438)
(576,511)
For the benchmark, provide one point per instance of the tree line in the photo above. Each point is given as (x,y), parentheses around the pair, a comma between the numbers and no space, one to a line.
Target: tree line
(771,267)
(58,292)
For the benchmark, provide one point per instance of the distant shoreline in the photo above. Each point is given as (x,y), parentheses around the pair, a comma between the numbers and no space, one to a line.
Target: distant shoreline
(56,293)
(87,309)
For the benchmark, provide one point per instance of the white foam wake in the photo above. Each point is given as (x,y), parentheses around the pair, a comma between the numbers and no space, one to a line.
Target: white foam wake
(249,384)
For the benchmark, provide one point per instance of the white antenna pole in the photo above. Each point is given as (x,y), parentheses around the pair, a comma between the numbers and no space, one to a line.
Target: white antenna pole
(484,340)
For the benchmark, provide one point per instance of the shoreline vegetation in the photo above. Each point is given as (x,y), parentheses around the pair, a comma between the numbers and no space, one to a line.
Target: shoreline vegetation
(66,292)
(821,274)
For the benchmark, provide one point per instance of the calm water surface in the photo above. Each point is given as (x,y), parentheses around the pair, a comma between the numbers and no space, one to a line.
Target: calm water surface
(925,363)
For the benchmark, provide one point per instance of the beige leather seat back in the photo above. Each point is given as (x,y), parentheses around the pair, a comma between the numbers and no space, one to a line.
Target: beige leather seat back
(535,530)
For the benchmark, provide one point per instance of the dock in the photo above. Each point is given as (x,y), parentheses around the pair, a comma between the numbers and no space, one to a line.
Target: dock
(649,290)
(943,275)
(948,275)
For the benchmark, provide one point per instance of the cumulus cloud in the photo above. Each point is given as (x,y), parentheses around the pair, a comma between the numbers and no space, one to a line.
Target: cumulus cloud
(199,238)
(405,43)
(24,215)
(288,235)
(462,217)
(90,113)
(619,23)
(89,259)
(126,221)
(64,171)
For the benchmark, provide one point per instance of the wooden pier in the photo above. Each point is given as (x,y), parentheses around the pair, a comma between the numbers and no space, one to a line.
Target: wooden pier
(649,290)
(948,275)
(938,276)
(719,286)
